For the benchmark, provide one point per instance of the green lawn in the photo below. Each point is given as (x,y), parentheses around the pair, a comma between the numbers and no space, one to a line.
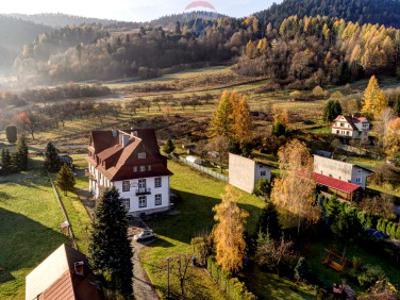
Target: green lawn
(199,194)
(30,219)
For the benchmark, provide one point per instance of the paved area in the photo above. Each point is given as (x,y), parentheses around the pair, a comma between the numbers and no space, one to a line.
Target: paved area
(142,287)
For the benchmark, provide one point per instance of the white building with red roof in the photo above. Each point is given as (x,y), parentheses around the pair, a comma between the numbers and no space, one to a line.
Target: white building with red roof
(351,127)
(130,161)
(341,178)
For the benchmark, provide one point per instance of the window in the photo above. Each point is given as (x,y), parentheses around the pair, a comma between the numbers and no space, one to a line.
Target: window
(134,169)
(358,180)
(341,124)
(142,155)
(149,168)
(263,173)
(126,186)
(126,203)
(142,202)
(157,182)
(158,200)
(142,184)
(142,168)
(337,131)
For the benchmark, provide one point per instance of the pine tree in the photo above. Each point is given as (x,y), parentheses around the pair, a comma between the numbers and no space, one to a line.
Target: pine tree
(374,99)
(332,110)
(20,157)
(11,134)
(66,179)
(110,250)
(52,161)
(228,233)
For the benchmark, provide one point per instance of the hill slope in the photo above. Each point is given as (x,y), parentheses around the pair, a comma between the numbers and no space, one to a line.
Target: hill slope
(384,12)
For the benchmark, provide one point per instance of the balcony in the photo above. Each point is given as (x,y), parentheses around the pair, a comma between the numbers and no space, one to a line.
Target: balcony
(143,191)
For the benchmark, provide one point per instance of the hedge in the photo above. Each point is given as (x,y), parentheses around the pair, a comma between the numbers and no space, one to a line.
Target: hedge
(233,288)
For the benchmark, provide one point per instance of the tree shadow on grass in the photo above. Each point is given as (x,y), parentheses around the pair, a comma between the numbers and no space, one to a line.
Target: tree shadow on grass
(24,243)
(195,217)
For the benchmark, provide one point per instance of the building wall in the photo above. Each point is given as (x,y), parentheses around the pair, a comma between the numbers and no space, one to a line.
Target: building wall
(340,170)
(244,172)
(134,209)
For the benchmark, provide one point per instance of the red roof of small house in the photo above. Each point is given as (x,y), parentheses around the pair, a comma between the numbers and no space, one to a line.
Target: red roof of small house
(336,184)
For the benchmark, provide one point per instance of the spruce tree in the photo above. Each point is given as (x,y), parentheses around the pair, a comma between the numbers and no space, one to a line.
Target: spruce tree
(20,158)
(65,179)
(110,250)
(332,110)
(6,166)
(11,134)
(51,161)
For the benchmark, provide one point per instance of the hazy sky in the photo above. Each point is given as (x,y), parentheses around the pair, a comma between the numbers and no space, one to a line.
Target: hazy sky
(128,10)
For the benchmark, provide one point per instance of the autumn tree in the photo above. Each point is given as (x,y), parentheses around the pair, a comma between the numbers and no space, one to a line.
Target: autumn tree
(241,120)
(391,140)
(65,179)
(374,100)
(228,233)
(295,189)
(221,121)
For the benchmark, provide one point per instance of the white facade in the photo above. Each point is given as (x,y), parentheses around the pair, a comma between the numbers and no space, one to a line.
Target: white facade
(140,196)
(244,172)
(356,130)
(341,170)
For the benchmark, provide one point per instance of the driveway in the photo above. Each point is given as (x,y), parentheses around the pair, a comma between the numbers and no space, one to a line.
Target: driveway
(142,287)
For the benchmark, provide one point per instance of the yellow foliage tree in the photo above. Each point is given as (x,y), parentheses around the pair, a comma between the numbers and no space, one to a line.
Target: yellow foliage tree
(295,189)
(221,121)
(242,124)
(228,233)
(374,99)
(391,140)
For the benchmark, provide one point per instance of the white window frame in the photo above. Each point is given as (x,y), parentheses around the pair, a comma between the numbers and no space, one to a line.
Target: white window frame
(126,186)
(158,200)
(142,155)
(155,182)
(142,201)
(126,203)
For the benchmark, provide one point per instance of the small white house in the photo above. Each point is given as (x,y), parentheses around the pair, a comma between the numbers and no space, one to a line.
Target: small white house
(245,172)
(351,127)
(340,170)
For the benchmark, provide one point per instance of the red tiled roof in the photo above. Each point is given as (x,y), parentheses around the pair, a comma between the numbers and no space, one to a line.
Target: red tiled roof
(117,162)
(336,184)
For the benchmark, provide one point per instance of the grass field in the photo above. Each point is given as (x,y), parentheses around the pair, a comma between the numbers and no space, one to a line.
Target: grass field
(30,219)
(199,194)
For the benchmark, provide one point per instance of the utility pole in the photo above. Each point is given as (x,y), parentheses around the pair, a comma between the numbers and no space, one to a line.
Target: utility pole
(168,259)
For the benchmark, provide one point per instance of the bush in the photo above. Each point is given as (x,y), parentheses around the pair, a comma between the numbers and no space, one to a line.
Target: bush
(369,275)
(262,187)
(319,92)
(11,134)
(233,288)
(279,129)
(201,249)
(169,147)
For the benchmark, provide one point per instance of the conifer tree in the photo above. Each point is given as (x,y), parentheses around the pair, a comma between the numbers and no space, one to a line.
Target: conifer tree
(66,179)
(269,221)
(6,165)
(11,134)
(52,161)
(110,250)
(169,147)
(374,99)
(20,157)
(228,233)
(241,125)
(332,110)
(221,122)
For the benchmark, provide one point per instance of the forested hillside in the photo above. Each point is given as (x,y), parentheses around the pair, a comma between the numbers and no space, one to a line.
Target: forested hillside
(384,12)
(199,19)
(309,51)
(14,33)
(62,20)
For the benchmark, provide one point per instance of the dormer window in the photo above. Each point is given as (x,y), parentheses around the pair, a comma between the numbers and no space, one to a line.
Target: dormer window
(134,169)
(142,155)
(142,168)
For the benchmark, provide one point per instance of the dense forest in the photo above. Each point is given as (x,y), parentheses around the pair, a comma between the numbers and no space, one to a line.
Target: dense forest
(312,51)
(200,17)
(384,12)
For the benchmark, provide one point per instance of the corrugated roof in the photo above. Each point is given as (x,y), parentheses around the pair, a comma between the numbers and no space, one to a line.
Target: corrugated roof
(336,184)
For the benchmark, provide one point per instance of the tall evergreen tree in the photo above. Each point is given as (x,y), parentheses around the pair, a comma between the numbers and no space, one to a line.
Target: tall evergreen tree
(269,221)
(11,134)
(66,179)
(20,157)
(6,165)
(110,249)
(169,147)
(52,161)
(332,110)
(221,122)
